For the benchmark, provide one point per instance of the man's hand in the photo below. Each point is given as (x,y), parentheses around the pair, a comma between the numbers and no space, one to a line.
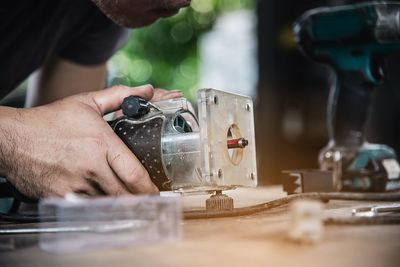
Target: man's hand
(162,94)
(139,13)
(66,146)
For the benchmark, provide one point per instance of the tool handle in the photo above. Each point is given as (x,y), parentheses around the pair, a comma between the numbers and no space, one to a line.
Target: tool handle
(348,108)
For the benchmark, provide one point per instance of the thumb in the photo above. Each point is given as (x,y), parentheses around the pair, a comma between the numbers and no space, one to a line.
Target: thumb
(110,99)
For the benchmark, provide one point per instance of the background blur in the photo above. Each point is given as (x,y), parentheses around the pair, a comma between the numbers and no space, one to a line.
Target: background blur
(178,52)
(247,46)
(293,92)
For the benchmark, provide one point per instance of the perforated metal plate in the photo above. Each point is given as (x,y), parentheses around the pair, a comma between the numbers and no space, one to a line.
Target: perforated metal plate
(144,139)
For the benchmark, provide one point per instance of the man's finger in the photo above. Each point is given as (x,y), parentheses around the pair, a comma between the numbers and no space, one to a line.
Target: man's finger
(159,95)
(162,94)
(117,114)
(110,183)
(109,100)
(128,168)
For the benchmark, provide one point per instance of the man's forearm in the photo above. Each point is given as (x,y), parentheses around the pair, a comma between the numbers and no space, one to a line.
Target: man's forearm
(7,139)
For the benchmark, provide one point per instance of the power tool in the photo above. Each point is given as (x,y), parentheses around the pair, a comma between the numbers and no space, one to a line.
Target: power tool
(354,40)
(188,154)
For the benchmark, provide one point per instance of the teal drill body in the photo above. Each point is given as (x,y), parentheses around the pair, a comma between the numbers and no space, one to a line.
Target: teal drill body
(354,40)
(351,38)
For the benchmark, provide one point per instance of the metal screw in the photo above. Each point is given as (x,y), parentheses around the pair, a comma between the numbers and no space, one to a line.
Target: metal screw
(219,174)
(215,100)
(248,107)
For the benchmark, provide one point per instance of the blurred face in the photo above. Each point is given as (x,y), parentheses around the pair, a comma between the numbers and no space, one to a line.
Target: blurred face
(138,13)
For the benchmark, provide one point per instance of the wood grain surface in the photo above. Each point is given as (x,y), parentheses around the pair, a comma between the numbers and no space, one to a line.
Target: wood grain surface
(256,240)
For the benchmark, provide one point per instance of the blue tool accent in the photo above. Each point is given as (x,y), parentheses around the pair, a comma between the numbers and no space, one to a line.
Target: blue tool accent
(354,40)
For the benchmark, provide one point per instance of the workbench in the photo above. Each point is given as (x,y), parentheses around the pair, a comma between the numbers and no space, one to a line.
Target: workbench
(254,240)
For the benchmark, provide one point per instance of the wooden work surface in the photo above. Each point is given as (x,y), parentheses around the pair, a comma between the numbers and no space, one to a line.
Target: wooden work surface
(256,240)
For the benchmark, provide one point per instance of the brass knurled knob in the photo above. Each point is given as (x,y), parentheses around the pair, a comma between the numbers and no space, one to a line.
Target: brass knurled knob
(218,202)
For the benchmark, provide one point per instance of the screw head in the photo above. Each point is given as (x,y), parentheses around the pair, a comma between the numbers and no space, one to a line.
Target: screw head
(248,107)
(219,174)
(252,176)
(215,100)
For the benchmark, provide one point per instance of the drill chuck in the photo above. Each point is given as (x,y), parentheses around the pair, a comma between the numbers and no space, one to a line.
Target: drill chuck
(388,23)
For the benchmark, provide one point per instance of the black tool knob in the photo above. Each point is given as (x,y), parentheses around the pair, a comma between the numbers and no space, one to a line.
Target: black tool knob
(135,107)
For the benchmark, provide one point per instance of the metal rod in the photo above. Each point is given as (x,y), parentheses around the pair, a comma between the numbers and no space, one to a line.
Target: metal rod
(237,143)
(104,228)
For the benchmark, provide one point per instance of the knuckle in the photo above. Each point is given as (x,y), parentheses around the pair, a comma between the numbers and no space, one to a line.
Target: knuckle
(118,87)
(150,86)
(120,192)
(86,95)
(114,157)
(82,97)
(137,175)
(82,188)
(77,186)
(96,143)
(89,170)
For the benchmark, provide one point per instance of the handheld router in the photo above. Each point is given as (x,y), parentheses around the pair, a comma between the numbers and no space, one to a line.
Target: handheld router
(354,40)
(188,154)
(185,153)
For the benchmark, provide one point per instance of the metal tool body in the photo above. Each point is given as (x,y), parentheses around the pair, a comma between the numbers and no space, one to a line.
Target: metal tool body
(212,152)
(373,211)
(354,40)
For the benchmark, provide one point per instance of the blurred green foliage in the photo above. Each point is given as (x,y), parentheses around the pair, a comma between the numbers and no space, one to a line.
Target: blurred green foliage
(165,54)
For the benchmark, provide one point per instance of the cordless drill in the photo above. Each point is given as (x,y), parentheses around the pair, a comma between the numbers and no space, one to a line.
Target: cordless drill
(354,40)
